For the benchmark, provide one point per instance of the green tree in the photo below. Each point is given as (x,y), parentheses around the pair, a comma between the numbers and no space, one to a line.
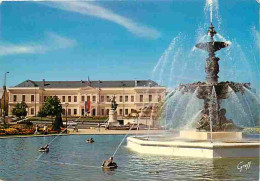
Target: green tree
(20,110)
(53,108)
(57,123)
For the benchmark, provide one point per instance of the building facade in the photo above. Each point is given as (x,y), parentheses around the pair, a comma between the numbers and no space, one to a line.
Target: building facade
(87,98)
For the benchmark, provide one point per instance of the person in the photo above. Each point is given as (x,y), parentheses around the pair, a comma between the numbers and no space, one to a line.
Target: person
(44,148)
(107,126)
(45,129)
(109,163)
(36,129)
(91,140)
(98,127)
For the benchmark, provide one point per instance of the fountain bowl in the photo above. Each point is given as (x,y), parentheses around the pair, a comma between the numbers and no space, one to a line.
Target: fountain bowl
(196,144)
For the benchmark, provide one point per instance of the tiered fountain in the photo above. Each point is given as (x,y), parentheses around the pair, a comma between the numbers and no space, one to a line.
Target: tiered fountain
(215,135)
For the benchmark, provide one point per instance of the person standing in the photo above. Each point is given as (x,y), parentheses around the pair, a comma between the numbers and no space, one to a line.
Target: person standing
(45,128)
(98,127)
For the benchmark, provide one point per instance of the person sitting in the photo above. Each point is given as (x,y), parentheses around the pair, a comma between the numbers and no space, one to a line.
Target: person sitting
(109,163)
(45,147)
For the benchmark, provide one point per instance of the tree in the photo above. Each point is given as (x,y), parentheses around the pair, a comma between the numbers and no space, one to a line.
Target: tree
(41,114)
(53,108)
(57,123)
(20,110)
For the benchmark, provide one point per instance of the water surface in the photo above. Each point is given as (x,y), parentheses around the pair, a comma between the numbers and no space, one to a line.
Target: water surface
(71,158)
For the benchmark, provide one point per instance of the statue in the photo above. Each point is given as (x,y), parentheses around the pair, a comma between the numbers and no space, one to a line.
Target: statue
(113,103)
(112,120)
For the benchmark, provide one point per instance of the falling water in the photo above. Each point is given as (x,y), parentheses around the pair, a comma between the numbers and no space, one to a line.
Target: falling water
(169,104)
(249,110)
(212,109)
(235,109)
(257,98)
(194,120)
(193,106)
(165,57)
(180,63)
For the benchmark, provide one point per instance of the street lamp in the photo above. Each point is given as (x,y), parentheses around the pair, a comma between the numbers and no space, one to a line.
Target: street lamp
(66,104)
(4,94)
(123,84)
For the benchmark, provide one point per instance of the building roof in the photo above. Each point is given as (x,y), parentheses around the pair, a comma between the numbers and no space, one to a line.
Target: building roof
(83,83)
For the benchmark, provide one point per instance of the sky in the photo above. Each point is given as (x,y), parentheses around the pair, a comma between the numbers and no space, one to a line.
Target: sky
(125,40)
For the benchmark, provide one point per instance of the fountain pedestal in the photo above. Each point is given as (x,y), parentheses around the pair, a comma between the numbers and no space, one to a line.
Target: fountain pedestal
(112,120)
(195,135)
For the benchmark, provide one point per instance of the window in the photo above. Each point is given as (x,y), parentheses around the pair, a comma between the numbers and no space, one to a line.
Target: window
(94,98)
(82,112)
(121,99)
(159,98)
(75,99)
(82,98)
(15,98)
(44,98)
(32,111)
(141,98)
(121,111)
(69,111)
(107,111)
(88,98)
(69,98)
(32,98)
(93,112)
(23,98)
(63,98)
(150,98)
(126,111)
(102,111)
(102,98)
(126,98)
(63,111)
(108,99)
(75,111)
(132,110)
(132,99)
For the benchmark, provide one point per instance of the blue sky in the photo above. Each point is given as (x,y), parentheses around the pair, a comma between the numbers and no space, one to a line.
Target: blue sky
(122,40)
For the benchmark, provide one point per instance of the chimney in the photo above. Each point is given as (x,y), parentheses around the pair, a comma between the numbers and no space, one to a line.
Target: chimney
(43,82)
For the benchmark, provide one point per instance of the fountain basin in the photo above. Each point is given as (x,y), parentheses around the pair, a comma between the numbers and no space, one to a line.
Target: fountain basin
(195,135)
(193,148)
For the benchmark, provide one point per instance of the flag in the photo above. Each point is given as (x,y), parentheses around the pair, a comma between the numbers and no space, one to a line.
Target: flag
(87,106)
(88,82)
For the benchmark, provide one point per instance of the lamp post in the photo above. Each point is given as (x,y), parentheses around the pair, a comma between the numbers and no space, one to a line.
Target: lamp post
(4,110)
(66,104)
(123,84)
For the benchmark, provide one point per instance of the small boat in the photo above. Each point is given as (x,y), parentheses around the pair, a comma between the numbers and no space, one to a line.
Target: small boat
(90,141)
(112,166)
(43,149)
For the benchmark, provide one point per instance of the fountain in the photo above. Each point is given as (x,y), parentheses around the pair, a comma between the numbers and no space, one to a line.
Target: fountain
(215,136)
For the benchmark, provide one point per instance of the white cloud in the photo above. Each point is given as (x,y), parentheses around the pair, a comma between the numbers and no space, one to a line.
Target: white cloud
(51,43)
(87,8)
